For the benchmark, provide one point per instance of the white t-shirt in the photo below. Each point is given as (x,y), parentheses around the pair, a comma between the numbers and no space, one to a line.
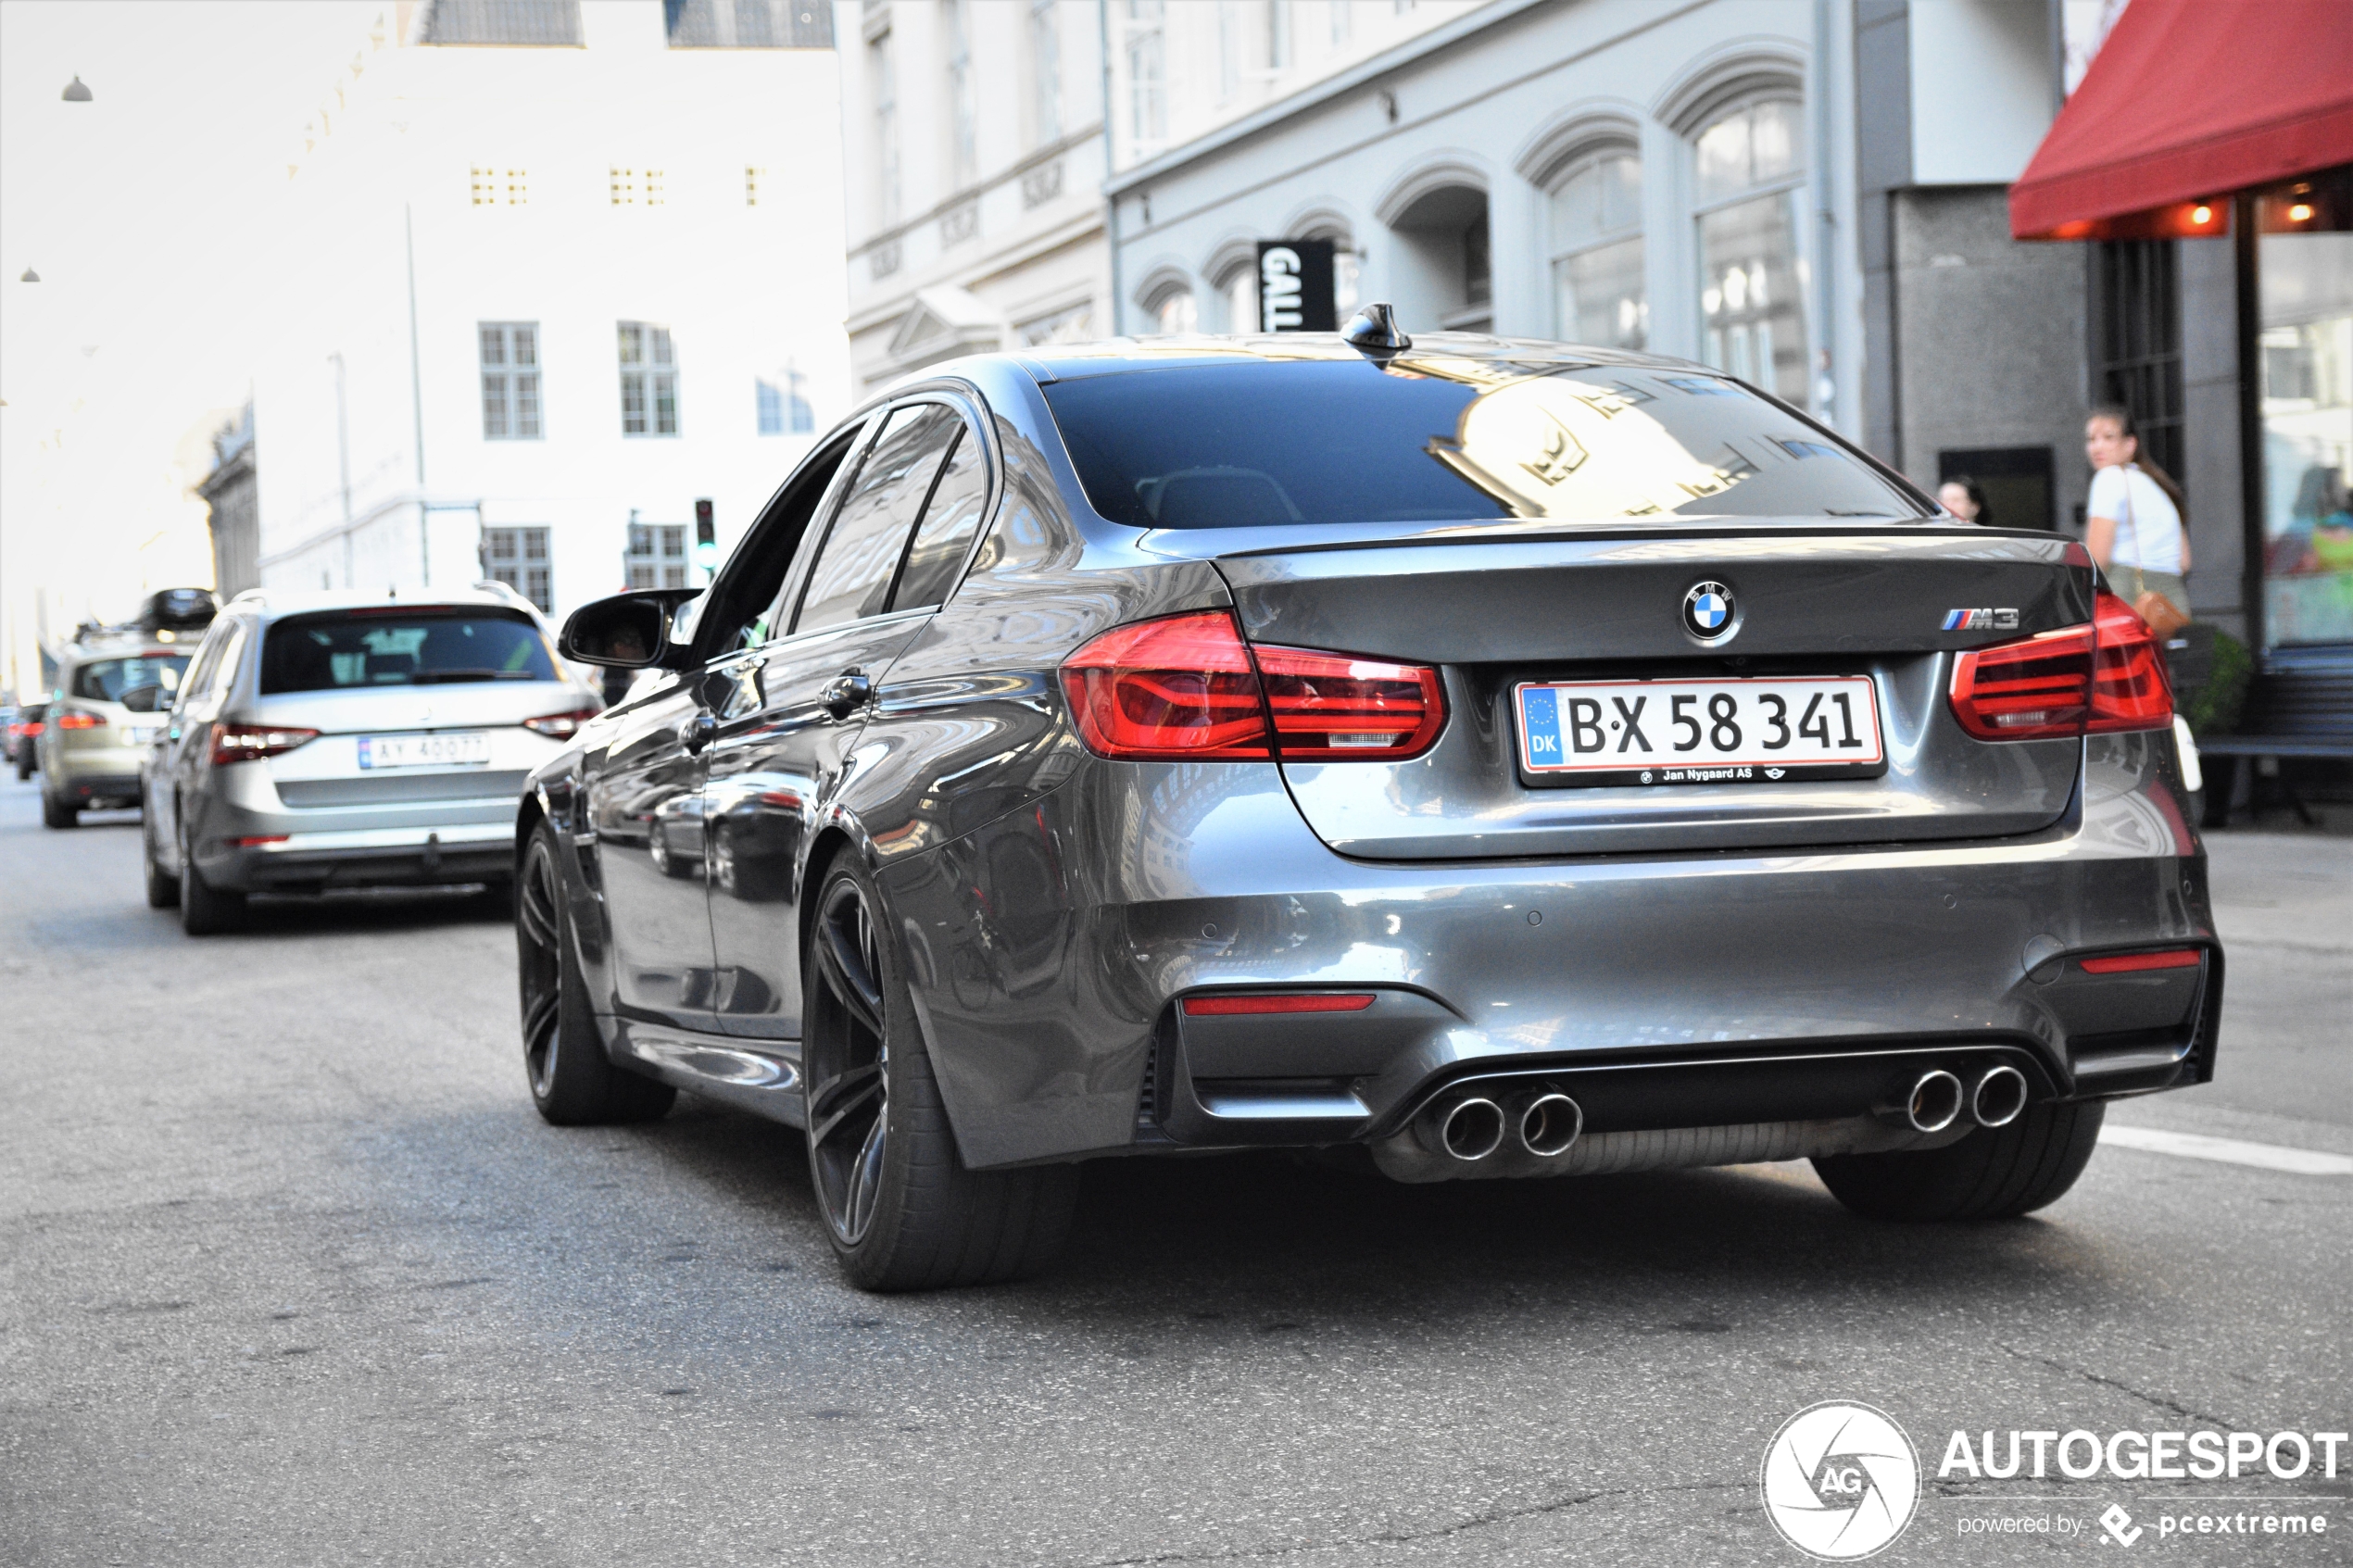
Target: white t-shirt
(2148,526)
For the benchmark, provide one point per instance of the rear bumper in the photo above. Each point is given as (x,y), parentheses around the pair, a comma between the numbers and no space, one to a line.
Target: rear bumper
(317,862)
(1049,951)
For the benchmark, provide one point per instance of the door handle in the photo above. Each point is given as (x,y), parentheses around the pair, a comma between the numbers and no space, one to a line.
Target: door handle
(698,731)
(845,692)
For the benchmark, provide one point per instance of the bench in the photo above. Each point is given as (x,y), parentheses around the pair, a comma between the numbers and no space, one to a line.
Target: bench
(2302,706)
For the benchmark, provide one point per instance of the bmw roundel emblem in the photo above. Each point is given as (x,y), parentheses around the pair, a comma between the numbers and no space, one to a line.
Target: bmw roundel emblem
(1707,612)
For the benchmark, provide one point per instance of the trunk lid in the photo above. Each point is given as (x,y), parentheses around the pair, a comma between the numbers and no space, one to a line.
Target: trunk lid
(1492,613)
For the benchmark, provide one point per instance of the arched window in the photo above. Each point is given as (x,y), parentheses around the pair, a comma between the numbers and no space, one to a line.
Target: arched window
(1749,180)
(1597,253)
(1174,309)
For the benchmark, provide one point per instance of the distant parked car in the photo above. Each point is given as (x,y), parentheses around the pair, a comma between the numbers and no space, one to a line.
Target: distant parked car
(24,728)
(108,708)
(331,740)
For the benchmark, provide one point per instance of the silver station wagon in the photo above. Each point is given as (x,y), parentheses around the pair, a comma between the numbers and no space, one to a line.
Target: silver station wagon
(324,741)
(1500,758)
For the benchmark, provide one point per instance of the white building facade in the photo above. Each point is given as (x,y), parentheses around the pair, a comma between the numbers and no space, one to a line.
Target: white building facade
(566,270)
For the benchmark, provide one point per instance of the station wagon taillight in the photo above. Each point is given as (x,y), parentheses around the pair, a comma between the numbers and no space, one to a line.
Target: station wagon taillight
(246,743)
(1187,688)
(2106,677)
(73,719)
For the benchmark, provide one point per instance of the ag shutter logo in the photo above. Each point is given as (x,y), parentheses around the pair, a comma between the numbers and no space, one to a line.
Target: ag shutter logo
(1707,612)
(1841,1481)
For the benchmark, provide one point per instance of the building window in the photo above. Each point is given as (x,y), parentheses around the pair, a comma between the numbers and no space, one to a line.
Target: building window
(1342,16)
(502,22)
(1045,71)
(1073,323)
(1749,177)
(518,557)
(1174,309)
(2137,295)
(635,187)
(753,179)
(964,130)
(1597,253)
(494,186)
(749,24)
(1277,35)
(1242,299)
(882,82)
(648,381)
(657,555)
(1147,70)
(510,380)
(784,404)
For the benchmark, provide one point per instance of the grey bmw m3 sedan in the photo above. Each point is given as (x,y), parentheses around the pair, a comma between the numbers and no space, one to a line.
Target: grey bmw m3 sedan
(1506,758)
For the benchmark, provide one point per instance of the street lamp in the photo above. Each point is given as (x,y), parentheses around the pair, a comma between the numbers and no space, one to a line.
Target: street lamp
(76,92)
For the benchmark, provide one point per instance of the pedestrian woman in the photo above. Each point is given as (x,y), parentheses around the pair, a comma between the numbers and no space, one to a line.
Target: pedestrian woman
(1965,498)
(2136,531)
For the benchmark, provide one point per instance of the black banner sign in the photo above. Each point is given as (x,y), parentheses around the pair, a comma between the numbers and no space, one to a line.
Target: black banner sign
(1295,286)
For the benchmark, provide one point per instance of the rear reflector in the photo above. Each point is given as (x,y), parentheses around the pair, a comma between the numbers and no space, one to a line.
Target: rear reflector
(1187,687)
(2103,678)
(251,843)
(1320,1001)
(243,743)
(2125,963)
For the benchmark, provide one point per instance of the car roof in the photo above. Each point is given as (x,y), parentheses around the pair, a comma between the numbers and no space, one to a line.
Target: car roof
(271,602)
(1430,351)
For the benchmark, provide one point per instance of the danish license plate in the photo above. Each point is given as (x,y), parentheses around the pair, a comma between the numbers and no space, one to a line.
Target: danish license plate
(456,748)
(1677,732)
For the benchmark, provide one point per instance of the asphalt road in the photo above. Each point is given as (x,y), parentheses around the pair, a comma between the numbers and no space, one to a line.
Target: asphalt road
(291,1274)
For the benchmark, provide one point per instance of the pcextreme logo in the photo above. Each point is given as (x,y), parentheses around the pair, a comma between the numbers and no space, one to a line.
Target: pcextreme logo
(1841,1481)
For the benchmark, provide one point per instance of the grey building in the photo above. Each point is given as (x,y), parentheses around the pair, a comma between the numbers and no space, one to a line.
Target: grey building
(233,515)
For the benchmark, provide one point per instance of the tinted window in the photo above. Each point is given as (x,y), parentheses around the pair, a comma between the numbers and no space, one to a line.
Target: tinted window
(105,680)
(852,579)
(342,650)
(1437,439)
(945,535)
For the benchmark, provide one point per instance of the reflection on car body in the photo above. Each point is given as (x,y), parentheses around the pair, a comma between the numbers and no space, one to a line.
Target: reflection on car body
(1127,750)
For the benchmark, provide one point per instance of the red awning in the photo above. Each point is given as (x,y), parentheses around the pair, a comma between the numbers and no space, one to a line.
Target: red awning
(2192,99)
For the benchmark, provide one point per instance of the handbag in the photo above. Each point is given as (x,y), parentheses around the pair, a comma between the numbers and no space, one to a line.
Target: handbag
(2163,616)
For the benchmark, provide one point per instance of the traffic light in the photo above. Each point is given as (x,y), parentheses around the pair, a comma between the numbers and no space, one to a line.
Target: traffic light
(706,539)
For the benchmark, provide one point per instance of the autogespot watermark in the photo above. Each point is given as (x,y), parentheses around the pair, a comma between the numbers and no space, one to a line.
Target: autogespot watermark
(1841,1482)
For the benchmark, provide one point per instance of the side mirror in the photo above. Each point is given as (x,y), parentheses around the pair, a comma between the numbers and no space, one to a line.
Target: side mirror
(144,699)
(625,632)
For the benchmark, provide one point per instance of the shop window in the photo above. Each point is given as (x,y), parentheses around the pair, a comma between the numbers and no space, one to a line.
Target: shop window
(1750,181)
(1598,296)
(2137,326)
(2305,286)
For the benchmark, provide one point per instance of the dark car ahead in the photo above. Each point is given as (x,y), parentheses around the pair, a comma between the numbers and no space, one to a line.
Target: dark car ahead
(1515,760)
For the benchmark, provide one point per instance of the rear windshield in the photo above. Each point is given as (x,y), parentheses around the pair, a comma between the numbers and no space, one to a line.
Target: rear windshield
(105,680)
(346,650)
(1438,440)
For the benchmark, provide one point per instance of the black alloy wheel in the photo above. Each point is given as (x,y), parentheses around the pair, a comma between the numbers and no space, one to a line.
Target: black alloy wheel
(572,1081)
(900,1207)
(850,1082)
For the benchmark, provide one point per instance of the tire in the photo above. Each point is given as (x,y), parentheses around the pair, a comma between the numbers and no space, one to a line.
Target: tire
(1993,1174)
(24,769)
(901,1211)
(56,813)
(205,911)
(163,890)
(573,1084)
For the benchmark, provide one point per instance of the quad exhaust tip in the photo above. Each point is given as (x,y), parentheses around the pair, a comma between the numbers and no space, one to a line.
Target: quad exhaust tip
(1935,1101)
(2000,1097)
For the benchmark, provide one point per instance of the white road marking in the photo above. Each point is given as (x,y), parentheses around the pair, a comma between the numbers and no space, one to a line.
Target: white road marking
(2230,1151)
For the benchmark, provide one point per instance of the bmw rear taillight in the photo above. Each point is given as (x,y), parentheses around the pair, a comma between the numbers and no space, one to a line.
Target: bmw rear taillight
(2104,677)
(246,743)
(1187,688)
(2130,687)
(74,718)
(561,726)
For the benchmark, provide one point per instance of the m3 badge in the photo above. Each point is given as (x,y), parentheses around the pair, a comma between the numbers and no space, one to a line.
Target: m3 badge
(1981,621)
